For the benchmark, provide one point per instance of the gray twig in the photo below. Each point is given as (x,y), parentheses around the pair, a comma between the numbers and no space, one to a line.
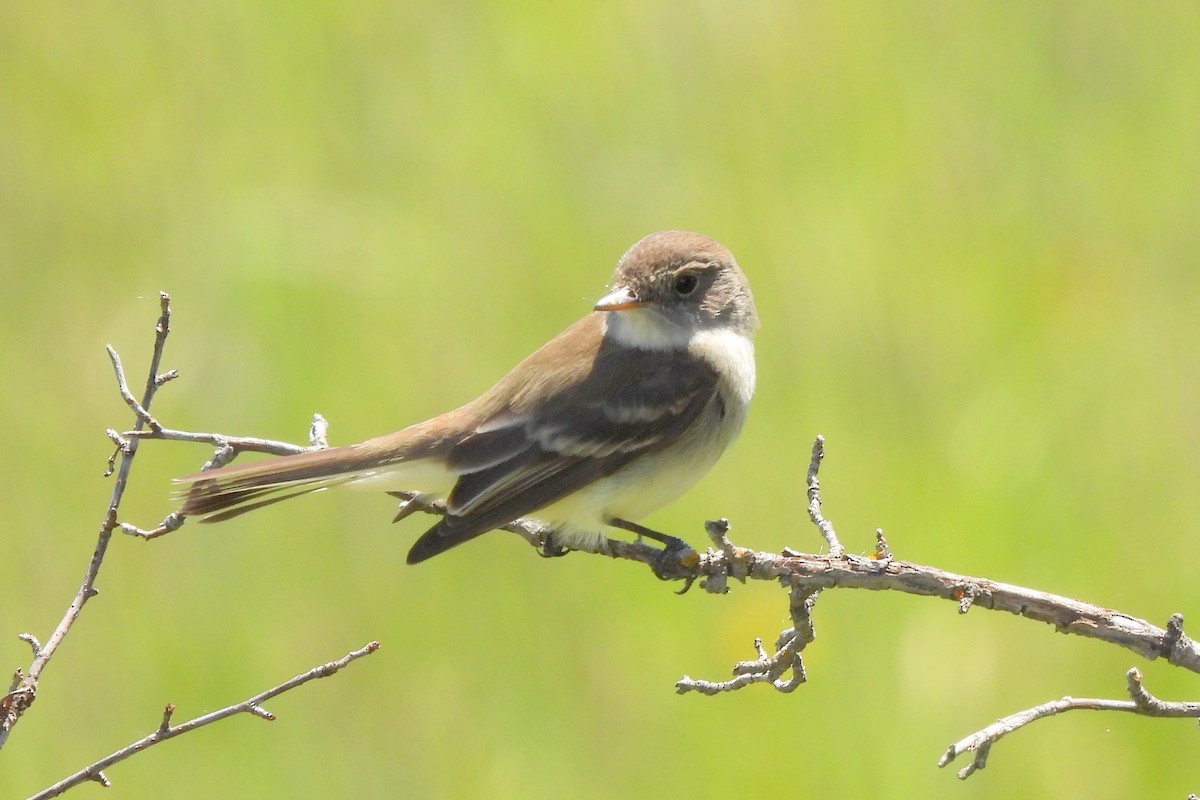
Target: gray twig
(1142,703)
(237,443)
(769,668)
(22,695)
(814,498)
(317,433)
(171,522)
(23,689)
(164,731)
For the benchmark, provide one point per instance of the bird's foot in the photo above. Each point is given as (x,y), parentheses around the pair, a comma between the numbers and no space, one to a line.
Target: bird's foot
(676,559)
(550,548)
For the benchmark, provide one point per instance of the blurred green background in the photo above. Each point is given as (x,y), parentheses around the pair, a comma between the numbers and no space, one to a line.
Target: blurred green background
(972,231)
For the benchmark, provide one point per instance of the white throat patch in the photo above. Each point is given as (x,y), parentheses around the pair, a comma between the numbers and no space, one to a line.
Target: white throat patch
(644,329)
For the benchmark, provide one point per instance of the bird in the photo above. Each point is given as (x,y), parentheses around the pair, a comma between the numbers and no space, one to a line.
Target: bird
(610,420)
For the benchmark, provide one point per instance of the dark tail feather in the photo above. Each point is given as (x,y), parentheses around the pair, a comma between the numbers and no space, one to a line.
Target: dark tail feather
(232,510)
(438,539)
(224,493)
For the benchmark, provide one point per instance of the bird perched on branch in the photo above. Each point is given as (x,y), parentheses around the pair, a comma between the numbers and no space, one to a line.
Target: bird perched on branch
(613,418)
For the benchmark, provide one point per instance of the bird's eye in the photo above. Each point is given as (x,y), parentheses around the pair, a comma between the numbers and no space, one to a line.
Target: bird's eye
(685,283)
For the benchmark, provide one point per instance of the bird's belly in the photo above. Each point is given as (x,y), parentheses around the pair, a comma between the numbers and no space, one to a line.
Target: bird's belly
(641,487)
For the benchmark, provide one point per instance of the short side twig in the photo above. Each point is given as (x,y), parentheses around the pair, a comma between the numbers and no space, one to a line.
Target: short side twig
(769,668)
(814,498)
(252,705)
(250,444)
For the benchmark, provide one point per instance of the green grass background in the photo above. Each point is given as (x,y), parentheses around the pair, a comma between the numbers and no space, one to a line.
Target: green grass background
(972,231)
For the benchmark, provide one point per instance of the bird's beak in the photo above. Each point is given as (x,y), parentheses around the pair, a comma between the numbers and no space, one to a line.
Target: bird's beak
(619,299)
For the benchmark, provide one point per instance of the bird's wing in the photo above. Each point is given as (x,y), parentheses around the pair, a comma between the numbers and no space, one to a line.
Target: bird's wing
(518,461)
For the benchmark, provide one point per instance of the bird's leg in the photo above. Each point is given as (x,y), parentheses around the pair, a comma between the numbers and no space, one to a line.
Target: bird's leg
(672,542)
(673,547)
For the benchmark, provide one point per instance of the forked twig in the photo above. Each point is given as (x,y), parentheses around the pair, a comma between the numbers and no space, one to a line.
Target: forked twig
(23,692)
(24,687)
(1142,703)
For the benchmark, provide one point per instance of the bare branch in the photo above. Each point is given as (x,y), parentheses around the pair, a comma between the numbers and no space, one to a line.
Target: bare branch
(768,668)
(21,696)
(165,731)
(140,409)
(1143,703)
(172,522)
(251,444)
(32,641)
(227,449)
(812,572)
(808,575)
(814,498)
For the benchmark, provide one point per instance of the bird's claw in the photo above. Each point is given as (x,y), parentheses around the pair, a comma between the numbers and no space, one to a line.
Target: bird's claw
(675,561)
(552,549)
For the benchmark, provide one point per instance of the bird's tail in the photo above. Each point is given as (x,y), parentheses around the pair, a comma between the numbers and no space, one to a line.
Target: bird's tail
(226,492)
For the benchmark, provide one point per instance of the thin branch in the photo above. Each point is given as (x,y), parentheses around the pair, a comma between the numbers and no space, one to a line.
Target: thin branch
(22,695)
(227,448)
(251,444)
(814,498)
(811,572)
(164,731)
(142,409)
(769,668)
(1142,703)
(1065,614)
(171,522)
(231,445)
